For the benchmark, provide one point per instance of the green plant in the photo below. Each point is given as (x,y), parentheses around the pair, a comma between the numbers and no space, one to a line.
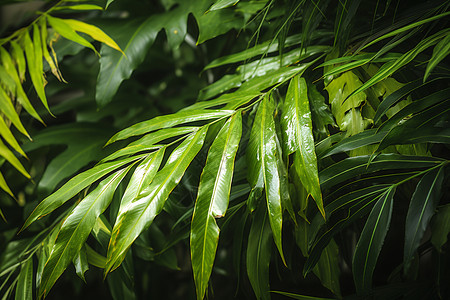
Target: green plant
(322,131)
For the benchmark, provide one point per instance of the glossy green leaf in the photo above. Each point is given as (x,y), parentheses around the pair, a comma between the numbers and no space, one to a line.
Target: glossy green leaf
(232,101)
(297,130)
(141,178)
(80,262)
(66,31)
(320,113)
(212,201)
(24,287)
(440,226)
(12,159)
(34,65)
(76,228)
(74,186)
(217,22)
(370,242)
(169,121)
(139,214)
(263,169)
(421,208)
(163,134)
(80,7)
(8,110)
(258,253)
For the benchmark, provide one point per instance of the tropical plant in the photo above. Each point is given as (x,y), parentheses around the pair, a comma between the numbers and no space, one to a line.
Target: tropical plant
(243,149)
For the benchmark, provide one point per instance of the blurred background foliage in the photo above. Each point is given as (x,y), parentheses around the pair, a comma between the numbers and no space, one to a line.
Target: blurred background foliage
(265,100)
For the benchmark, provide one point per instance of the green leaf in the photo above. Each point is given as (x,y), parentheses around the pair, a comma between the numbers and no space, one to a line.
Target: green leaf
(299,297)
(421,208)
(259,252)
(297,124)
(354,166)
(4,186)
(141,178)
(84,143)
(93,31)
(217,22)
(440,227)
(9,137)
(74,186)
(440,51)
(327,268)
(24,287)
(66,31)
(34,65)
(12,159)
(169,121)
(18,76)
(320,113)
(80,262)
(8,110)
(76,228)
(80,7)
(370,242)
(212,201)
(134,38)
(138,215)
(232,101)
(263,169)
(222,4)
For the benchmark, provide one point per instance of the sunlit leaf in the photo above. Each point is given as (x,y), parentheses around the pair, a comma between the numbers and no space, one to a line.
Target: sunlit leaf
(139,214)
(212,201)
(371,241)
(421,208)
(12,159)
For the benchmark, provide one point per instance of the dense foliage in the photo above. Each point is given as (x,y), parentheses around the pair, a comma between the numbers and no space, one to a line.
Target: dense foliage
(225,149)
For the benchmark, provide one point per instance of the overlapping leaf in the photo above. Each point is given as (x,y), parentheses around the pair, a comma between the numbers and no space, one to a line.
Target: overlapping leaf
(139,214)
(297,124)
(212,200)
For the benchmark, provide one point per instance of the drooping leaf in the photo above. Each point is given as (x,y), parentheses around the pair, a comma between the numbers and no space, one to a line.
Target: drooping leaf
(7,108)
(297,124)
(421,208)
(4,186)
(76,228)
(24,287)
(169,121)
(320,113)
(440,51)
(212,201)
(263,169)
(74,186)
(12,159)
(370,242)
(139,214)
(34,65)
(9,137)
(259,252)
